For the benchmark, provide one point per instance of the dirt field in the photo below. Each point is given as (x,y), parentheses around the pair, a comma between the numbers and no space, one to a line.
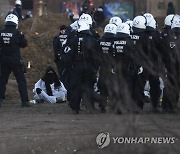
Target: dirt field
(52,128)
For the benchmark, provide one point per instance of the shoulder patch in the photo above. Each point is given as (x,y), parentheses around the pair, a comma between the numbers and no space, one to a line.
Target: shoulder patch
(172,45)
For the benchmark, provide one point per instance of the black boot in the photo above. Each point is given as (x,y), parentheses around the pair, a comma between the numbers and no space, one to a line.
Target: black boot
(102,109)
(26,104)
(75,112)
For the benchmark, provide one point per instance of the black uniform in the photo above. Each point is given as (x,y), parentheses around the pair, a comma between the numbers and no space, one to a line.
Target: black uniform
(123,67)
(57,47)
(17,11)
(105,73)
(140,40)
(80,58)
(11,40)
(171,60)
(65,68)
(95,34)
(152,66)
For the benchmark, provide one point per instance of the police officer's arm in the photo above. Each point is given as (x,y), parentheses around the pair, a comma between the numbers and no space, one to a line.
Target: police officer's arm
(96,54)
(23,41)
(56,47)
(55,43)
(68,52)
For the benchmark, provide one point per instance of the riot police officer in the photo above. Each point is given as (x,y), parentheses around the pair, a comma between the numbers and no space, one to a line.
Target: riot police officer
(167,26)
(70,33)
(57,47)
(139,38)
(105,73)
(88,19)
(152,66)
(123,66)
(11,40)
(115,20)
(80,58)
(17,10)
(171,59)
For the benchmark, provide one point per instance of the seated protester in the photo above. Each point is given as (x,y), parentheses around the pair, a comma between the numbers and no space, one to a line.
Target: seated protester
(49,88)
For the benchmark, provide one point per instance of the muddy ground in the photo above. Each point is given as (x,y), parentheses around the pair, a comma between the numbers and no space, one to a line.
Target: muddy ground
(52,128)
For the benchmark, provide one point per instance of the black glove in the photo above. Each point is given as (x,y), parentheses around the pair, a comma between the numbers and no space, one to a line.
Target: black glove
(38,91)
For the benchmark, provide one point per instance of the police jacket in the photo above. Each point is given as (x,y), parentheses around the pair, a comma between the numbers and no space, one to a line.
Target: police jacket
(82,48)
(166,36)
(122,52)
(172,60)
(106,49)
(140,40)
(11,40)
(57,45)
(153,45)
(17,11)
(95,34)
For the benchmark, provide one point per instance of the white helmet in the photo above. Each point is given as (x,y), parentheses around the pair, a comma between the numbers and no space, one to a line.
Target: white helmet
(123,28)
(110,28)
(153,24)
(115,20)
(176,22)
(168,20)
(11,19)
(139,22)
(74,25)
(129,22)
(87,18)
(18,2)
(149,17)
(83,26)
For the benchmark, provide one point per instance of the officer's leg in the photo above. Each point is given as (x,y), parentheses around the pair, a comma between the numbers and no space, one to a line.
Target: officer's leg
(65,78)
(74,91)
(154,90)
(87,90)
(125,93)
(61,70)
(21,80)
(138,90)
(103,94)
(87,97)
(175,94)
(5,72)
(74,97)
(58,67)
(114,91)
(129,81)
(170,94)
